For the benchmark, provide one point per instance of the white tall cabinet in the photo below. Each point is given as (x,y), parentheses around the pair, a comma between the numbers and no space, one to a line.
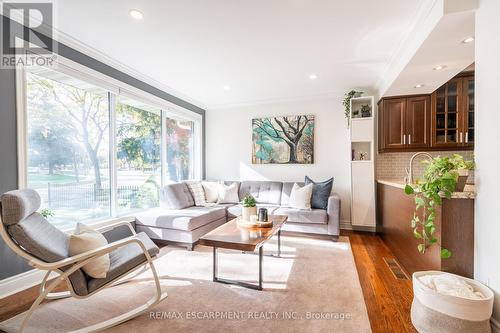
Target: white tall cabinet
(362,139)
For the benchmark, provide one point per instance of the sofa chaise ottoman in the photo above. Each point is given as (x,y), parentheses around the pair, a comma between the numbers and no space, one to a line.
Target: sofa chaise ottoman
(186,223)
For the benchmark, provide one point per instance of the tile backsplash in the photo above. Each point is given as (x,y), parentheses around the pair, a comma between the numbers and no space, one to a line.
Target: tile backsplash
(392,165)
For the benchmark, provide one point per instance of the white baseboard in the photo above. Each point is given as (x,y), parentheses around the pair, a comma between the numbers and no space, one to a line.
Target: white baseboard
(495,325)
(20,282)
(345,224)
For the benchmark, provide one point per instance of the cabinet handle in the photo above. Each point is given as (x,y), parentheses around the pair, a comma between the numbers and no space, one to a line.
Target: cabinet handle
(461,138)
(404,139)
(467,137)
(409,139)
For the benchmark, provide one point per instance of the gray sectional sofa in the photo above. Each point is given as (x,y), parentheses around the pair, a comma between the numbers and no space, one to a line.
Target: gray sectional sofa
(187,224)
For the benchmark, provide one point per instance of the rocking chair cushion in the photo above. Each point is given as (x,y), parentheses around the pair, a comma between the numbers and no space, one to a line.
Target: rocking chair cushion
(125,259)
(17,205)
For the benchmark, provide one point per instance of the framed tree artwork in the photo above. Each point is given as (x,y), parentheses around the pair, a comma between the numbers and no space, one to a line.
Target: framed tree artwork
(283,140)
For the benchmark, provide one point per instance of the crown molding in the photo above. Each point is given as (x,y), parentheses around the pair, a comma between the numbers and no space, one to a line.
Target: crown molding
(334,94)
(92,52)
(79,46)
(282,100)
(403,52)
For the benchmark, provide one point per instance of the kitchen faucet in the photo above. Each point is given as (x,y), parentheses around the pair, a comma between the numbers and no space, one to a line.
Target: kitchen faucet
(409,173)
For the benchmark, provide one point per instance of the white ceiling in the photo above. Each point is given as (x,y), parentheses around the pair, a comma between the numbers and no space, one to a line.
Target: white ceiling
(442,47)
(264,50)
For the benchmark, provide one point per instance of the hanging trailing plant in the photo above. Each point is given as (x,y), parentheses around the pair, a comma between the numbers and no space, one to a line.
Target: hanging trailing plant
(439,180)
(347,103)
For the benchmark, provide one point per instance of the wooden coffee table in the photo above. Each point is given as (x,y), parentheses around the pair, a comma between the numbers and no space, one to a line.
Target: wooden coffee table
(234,237)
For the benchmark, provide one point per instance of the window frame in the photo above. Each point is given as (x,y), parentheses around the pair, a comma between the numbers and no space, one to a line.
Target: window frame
(115,90)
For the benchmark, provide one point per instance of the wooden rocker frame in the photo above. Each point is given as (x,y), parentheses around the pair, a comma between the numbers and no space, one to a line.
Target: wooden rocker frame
(72,264)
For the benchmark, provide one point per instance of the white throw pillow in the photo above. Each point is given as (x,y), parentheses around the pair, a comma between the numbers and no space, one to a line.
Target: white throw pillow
(228,194)
(300,197)
(211,191)
(86,239)
(198,193)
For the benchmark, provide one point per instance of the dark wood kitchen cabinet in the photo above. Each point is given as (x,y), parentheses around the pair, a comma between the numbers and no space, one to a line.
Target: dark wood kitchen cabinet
(404,123)
(452,116)
(443,120)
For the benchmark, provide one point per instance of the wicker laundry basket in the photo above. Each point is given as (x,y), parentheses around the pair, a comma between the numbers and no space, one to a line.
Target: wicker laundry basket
(433,312)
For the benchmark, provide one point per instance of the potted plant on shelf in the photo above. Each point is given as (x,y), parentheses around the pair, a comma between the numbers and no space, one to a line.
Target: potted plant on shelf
(347,103)
(249,207)
(366,111)
(441,178)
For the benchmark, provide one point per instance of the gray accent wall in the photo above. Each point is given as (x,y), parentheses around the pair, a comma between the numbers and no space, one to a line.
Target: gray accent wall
(10,263)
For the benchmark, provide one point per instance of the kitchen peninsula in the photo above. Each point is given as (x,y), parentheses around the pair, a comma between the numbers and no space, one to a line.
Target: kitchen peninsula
(454,221)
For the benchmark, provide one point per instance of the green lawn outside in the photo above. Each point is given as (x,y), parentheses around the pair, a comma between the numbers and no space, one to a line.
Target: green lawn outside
(38,181)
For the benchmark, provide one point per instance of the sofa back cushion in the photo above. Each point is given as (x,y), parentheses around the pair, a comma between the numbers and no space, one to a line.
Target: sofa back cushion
(264,192)
(285,193)
(176,196)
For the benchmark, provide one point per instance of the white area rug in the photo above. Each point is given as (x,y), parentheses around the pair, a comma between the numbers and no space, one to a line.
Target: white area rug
(313,287)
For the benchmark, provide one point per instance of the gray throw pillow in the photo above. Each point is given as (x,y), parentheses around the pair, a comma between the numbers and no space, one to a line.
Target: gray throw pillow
(320,193)
(176,196)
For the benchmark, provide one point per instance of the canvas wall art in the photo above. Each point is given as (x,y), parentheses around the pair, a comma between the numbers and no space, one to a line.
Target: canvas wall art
(283,140)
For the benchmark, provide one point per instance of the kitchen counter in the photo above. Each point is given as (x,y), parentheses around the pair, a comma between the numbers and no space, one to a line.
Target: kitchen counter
(468,193)
(455,229)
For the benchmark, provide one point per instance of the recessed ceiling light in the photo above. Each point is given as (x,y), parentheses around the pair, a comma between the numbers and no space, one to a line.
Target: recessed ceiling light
(313,76)
(136,14)
(420,85)
(440,67)
(468,40)
(227,88)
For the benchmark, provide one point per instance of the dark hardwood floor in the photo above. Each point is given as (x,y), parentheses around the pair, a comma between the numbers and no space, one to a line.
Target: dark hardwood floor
(388,300)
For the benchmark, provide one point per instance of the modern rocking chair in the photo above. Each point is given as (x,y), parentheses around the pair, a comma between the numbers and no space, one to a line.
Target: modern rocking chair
(45,247)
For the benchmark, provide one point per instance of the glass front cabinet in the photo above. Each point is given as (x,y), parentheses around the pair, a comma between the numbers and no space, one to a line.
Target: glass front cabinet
(452,119)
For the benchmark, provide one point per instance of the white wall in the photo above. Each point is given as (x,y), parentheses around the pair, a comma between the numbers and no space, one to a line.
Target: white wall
(487,219)
(229,145)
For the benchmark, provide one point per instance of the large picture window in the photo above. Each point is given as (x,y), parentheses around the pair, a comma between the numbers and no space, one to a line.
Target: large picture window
(138,139)
(68,146)
(93,153)
(179,149)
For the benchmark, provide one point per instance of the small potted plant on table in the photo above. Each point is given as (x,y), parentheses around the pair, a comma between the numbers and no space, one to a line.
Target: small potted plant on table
(249,207)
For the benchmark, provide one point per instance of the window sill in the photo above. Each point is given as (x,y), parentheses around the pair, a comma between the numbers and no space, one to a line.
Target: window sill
(98,224)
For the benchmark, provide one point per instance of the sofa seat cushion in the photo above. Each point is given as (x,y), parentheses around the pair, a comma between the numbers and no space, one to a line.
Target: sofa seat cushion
(123,259)
(236,210)
(180,219)
(303,216)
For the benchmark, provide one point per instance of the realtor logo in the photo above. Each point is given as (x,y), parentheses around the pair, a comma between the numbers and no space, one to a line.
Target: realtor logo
(27,34)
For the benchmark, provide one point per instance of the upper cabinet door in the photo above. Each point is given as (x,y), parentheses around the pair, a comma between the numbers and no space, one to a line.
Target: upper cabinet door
(468,111)
(447,116)
(393,123)
(417,119)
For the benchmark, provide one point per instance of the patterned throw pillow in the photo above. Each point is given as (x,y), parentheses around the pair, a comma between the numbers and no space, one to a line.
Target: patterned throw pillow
(198,193)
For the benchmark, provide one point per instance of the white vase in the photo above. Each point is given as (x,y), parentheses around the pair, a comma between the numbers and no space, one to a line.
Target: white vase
(246,212)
